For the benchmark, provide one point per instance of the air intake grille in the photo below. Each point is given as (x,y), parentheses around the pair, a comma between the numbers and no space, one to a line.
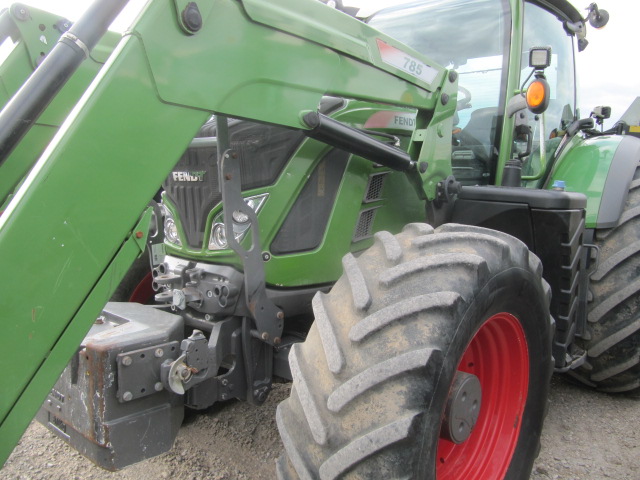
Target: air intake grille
(374,189)
(365,225)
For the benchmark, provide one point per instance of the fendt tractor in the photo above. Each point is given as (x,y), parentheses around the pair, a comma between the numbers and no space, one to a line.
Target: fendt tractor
(418,229)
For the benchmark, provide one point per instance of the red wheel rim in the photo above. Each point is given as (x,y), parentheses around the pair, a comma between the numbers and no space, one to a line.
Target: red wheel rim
(143,292)
(499,357)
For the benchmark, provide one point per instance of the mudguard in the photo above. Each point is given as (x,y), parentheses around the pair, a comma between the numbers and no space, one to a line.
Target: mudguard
(602,168)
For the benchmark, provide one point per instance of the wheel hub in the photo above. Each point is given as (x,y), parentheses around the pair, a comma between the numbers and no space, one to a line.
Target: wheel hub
(463,408)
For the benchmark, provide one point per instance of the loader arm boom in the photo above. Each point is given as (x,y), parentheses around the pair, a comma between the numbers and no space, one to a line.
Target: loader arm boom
(77,212)
(28,35)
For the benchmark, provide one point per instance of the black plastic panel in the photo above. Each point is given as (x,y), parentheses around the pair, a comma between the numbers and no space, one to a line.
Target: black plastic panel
(511,218)
(304,227)
(559,244)
(548,199)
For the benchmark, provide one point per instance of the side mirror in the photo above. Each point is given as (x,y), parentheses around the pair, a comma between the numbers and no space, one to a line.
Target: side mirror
(597,18)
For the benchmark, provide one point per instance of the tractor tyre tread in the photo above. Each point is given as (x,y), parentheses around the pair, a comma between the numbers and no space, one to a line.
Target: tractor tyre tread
(612,339)
(358,391)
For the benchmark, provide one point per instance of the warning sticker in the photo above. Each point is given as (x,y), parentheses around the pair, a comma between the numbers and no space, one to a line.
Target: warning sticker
(405,62)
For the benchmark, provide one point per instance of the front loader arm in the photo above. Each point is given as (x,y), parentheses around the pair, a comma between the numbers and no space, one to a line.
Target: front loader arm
(29,34)
(66,237)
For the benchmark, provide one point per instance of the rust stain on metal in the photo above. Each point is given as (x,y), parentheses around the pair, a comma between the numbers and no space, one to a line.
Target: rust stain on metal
(252,307)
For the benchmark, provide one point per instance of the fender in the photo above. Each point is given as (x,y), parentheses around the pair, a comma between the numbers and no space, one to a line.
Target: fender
(602,168)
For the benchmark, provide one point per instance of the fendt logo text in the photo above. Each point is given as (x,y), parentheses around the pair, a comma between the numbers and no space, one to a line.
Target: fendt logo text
(188,176)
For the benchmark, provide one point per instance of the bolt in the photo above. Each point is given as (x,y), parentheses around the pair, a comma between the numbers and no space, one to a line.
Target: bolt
(207,317)
(159,352)
(139,234)
(422,166)
(223,396)
(225,382)
(185,373)
(280,315)
(99,320)
(234,154)
(192,18)
(209,293)
(265,336)
(444,99)
(126,361)
(158,386)
(453,76)
(228,176)
(277,341)
(49,402)
(21,13)
(266,256)
(127,396)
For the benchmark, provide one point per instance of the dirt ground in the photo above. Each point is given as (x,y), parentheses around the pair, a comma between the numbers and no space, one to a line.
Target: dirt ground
(587,436)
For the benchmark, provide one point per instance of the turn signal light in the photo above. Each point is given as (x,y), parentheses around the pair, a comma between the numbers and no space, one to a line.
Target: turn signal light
(538,95)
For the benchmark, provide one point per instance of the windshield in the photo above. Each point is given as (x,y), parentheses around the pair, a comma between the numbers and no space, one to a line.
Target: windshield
(472,38)
(466,36)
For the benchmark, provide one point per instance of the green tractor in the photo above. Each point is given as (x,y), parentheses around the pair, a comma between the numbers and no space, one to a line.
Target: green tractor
(419,229)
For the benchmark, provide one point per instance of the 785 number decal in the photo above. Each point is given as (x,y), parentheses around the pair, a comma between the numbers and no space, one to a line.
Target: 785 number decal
(405,62)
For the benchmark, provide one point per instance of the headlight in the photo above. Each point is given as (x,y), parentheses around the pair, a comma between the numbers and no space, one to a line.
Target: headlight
(171,229)
(218,238)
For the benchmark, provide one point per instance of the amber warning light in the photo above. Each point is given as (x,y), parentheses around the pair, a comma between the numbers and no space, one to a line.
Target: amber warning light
(538,95)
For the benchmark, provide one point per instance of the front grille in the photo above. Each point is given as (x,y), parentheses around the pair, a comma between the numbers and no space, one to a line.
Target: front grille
(193,188)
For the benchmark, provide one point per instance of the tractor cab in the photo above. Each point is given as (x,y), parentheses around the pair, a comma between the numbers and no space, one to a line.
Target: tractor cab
(475,39)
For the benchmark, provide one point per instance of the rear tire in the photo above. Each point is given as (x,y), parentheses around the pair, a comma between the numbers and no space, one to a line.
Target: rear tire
(372,380)
(612,339)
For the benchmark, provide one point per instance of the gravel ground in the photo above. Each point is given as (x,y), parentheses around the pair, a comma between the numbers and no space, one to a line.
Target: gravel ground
(587,436)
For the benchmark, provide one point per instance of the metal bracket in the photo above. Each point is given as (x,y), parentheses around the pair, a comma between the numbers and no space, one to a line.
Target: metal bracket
(267,316)
(572,361)
(139,370)
(594,263)
(447,189)
(258,360)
